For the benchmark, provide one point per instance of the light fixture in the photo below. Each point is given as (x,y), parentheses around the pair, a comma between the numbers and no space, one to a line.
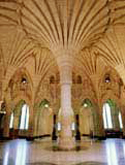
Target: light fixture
(107,79)
(46,105)
(85,105)
(23,80)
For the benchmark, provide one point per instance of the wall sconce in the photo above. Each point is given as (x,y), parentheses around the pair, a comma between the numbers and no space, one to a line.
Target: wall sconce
(85,105)
(46,105)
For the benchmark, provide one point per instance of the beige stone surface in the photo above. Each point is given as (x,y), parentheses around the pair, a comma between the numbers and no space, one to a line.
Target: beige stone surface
(39,39)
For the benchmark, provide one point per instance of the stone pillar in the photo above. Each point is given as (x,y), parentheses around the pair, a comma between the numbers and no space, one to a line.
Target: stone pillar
(54,137)
(8,112)
(121,71)
(31,123)
(66,140)
(100,131)
(101,127)
(115,118)
(7,121)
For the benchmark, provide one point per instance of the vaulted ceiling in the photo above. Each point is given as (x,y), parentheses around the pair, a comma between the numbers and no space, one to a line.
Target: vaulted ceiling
(94,30)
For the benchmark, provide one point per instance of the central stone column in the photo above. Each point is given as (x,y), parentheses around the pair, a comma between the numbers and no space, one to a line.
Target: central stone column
(66,116)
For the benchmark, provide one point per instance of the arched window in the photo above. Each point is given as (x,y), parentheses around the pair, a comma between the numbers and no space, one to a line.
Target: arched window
(23,84)
(23,80)
(24,121)
(79,79)
(52,80)
(107,116)
(44,104)
(107,78)
(120,120)
(11,120)
(87,103)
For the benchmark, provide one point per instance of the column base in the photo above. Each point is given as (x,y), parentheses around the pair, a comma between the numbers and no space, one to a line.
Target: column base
(66,143)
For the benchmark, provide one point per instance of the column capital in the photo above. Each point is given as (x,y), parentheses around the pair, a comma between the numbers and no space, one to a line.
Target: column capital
(65,74)
(65,61)
(60,49)
(95,80)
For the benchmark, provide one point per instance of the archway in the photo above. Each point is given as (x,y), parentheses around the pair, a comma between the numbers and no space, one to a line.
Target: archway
(44,119)
(86,118)
(112,119)
(19,120)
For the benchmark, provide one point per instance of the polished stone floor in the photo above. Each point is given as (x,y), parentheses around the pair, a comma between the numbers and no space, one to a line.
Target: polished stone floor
(45,152)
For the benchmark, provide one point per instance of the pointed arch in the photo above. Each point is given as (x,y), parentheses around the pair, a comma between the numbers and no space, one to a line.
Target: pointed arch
(87,103)
(87,118)
(20,89)
(43,118)
(20,73)
(79,79)
(22,114)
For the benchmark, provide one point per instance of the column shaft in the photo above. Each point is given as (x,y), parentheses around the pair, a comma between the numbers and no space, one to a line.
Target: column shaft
(66,140)
(6,121)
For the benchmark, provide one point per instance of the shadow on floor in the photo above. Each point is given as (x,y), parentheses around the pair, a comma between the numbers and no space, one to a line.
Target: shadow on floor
(56,148)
